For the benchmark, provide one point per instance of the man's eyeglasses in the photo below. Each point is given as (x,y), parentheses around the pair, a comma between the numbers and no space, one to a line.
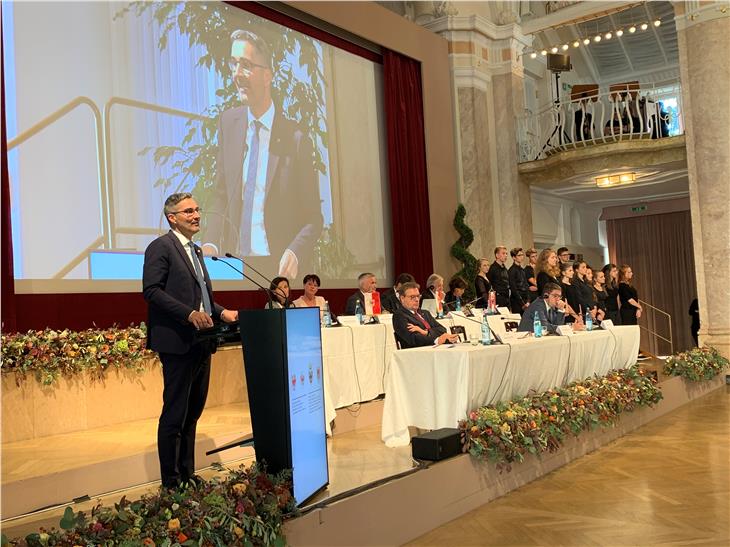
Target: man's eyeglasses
(187,212)
(246,66)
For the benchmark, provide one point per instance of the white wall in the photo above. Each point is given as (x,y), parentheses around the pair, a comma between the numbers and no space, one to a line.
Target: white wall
(558,222)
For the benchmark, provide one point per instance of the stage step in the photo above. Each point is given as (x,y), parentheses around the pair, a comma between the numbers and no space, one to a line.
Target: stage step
(56,469)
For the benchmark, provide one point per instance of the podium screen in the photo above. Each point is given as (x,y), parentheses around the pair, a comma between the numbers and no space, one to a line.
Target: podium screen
(306,402)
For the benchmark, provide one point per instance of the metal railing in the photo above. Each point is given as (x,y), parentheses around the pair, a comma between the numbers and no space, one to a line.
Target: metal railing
(652,321)
(613,116)
(102,127)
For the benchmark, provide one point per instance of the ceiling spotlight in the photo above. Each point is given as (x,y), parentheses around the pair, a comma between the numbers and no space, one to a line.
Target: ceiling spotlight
(632,29)
(597,38)
(609,36)
(619,33)
(543,52)
(565,47)
(657,23)
(644,26)
(554,49)
(576,43)
(533,55)
(586,41)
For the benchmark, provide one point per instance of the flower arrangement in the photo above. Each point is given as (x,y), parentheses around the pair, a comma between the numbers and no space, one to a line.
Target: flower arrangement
(49,353)
(245,507)
(696,364)
(537,423)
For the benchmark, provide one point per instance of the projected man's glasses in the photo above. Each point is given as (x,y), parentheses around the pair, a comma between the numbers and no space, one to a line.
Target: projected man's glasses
(244,65)
(188,212)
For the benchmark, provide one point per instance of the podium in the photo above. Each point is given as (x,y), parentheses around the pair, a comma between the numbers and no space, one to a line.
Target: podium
(282,355)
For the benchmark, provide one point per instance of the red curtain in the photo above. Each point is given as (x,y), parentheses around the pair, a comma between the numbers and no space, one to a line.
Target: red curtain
(7,281)
(659,250)
(407,166)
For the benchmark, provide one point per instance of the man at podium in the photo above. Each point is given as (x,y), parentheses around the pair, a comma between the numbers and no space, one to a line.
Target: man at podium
(178,292)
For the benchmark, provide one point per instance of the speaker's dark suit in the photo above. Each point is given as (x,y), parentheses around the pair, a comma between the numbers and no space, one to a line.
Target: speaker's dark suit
(172,292)
(292,211)
(403,317)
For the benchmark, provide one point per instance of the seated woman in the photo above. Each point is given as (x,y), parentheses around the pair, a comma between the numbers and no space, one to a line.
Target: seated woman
(310,299)
(279,291)
(457,286)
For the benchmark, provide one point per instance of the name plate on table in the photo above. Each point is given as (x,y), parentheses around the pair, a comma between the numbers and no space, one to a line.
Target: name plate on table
(607,324)
(564,330)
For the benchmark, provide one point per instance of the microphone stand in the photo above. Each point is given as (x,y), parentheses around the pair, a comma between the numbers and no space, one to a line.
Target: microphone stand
(267,291)
(286,298)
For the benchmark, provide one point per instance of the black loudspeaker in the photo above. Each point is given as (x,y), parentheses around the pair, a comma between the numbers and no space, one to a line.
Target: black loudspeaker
(437,445)
(557,62)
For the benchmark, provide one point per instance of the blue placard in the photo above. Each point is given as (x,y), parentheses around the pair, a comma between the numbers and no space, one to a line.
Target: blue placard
(306,402)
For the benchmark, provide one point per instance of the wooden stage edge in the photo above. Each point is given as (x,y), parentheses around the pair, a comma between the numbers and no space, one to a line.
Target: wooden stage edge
(393,512)
(408,507)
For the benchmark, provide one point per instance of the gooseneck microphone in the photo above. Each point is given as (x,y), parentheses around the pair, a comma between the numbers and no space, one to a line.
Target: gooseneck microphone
(267,291)
(247,265)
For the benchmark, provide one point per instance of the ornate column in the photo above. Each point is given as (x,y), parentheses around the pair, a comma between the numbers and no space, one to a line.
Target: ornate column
(488,80)
(703,31)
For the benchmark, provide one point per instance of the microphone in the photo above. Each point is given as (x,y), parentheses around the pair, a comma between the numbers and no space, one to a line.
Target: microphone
(286,298)
(494,337)
(267,291)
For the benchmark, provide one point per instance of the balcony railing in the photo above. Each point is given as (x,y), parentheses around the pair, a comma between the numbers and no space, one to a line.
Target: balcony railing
(601,118)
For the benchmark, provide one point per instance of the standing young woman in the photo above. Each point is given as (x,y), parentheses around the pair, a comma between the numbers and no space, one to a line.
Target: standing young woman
(531,255)
(628,297)
(481,284)
(610,273)
(599,294)
(547,269)
(583,289)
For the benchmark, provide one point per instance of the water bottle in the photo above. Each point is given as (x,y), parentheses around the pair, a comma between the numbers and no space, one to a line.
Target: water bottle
(457,305)
(327,316)
(359,312)
(537,326)
(589,321)
(486,334)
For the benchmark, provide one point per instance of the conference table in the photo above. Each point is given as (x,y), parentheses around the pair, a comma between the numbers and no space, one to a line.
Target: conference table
(435,387)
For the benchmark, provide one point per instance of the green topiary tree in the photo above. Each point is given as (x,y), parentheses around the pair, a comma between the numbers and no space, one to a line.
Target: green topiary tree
(459,251)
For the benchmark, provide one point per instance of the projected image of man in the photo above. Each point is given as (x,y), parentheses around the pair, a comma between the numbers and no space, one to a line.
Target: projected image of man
(266,197)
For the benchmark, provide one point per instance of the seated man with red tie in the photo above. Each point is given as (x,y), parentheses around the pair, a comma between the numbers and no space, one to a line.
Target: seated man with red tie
(414,327)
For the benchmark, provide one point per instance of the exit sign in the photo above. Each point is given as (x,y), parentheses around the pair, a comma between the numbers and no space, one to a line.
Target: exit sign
(638,209)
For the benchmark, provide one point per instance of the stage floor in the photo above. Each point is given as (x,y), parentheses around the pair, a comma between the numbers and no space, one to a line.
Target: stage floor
(356,458)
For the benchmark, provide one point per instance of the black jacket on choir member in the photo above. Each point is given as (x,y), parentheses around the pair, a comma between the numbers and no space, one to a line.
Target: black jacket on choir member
(403,317)
(482,287)
(542,279)
(499,278)
(519,287)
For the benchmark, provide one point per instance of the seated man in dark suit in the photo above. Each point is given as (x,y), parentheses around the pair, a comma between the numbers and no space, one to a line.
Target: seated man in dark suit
(549,308)
(367,283)
(413,327)
(390,300)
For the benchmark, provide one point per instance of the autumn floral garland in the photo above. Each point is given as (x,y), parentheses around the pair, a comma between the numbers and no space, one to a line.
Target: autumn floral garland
(49,354)
(504,433)
(246,507)
(697,364)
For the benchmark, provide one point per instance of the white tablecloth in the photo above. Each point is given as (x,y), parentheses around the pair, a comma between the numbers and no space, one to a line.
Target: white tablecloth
(435,387)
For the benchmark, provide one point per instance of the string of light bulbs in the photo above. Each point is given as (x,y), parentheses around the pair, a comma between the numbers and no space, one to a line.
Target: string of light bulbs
(595,39)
